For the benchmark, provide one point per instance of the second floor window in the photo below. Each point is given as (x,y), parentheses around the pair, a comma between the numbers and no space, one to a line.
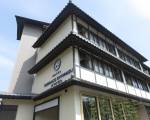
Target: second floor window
(133,81)
(99,66)
(85,61)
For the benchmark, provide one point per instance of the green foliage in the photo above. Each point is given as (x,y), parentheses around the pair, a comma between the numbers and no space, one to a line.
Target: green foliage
(90,108)
(117,109)
(105,109)
(121,109)
(130,109)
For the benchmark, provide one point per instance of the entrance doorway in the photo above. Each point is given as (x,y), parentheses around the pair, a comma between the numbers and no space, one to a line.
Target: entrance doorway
(48,110)
(49,114)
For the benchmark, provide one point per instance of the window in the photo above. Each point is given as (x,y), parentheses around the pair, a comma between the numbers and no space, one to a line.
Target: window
(85,60)
(101,69)
(146,70)
(140,85)
(135,83)
(82,31)
(110,69)
(102,44)
(137,65)
(111,108)
(122,55)
(92,63)
(89,108)
(128,59)
(92,37)
(128,79)
(130,110)
(144,86)
(106,70)
(117,75)
(95,39)
(117,109)
(96,65)
(112,49)
(131,80)
(105,108)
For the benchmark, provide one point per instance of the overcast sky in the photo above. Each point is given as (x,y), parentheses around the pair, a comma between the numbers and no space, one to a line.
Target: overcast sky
(128,19)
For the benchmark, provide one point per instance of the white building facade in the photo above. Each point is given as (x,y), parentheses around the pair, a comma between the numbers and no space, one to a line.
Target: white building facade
(75,69)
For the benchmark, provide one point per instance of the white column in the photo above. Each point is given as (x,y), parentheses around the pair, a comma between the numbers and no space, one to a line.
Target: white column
(75,29)
(70,105)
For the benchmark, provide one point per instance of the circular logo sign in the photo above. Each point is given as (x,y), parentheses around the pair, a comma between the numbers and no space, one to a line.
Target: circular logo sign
(57,64)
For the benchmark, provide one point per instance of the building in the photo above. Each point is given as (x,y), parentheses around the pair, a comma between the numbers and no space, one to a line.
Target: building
(75,69)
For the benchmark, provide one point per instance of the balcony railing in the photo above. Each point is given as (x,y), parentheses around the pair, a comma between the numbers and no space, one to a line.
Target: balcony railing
(93,77)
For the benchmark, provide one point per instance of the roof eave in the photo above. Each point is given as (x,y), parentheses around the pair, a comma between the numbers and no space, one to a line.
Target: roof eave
(72,9)
(73,40)
(86,84)
(4,96)
(22,20)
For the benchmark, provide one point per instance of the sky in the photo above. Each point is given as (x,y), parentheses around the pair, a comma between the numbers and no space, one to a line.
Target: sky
(128,19)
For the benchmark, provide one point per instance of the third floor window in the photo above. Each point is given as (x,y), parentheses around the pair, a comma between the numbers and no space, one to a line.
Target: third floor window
(128,59)
(95,39)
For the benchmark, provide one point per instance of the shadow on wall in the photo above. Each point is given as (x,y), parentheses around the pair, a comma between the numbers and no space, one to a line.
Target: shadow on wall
(25,80)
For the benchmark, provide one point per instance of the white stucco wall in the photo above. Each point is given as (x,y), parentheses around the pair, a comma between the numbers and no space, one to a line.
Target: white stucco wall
(21,81)
(62,32)
(70,107)
(46,74)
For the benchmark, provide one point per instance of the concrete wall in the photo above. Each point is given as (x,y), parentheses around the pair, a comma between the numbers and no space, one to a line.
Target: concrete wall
(142,113)
(46,74)
(62,32)
(21,81)
(70,108)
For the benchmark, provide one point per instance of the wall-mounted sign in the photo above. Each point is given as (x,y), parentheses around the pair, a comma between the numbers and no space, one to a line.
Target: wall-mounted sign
(59,76)
(59,79)
(57,64)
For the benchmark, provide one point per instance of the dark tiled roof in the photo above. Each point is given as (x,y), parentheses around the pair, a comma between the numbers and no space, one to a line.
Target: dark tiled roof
(74,40)
(72,9)
(69,83)
(5,95)
(86,84)
(22,20)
